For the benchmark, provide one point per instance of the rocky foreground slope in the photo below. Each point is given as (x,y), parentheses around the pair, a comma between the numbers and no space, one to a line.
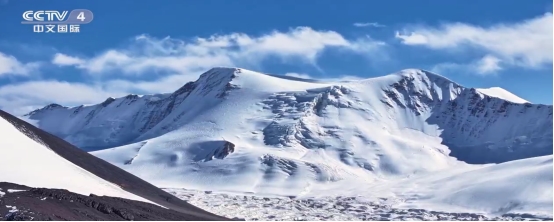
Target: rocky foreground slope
(43,204)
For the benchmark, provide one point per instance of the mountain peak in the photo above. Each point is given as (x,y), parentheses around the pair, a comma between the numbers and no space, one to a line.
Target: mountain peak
(47,107)
(216,80)
(219,72)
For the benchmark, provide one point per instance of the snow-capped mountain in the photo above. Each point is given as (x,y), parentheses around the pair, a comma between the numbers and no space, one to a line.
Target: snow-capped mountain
(239,130)
(498,124)
(32,157)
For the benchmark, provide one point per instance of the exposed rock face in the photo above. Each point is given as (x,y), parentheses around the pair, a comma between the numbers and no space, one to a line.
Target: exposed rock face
(209,150)
(227,149)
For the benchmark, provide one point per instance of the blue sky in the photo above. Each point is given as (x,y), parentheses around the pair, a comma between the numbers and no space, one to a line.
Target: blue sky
(151,46)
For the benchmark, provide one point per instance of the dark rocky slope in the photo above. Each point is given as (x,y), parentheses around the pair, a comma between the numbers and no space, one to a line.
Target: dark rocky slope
(54,204)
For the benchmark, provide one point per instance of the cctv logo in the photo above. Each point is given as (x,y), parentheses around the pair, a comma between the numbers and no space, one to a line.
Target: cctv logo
(39,16)
(62,21)
(75,16)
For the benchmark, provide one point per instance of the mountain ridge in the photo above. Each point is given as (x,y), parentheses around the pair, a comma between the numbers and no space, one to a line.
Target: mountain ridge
(141,118)
(135,96)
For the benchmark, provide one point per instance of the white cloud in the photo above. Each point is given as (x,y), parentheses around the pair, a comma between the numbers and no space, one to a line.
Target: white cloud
(487,65)
(301,44)
(527,43)
(65,60)
(20,97)
(9,65)
(368,24)
(412,38)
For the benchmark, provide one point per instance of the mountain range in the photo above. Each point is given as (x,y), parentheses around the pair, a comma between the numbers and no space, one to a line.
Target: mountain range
(398,135)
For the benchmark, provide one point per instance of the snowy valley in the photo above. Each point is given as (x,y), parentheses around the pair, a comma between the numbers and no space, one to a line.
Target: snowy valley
(408,140)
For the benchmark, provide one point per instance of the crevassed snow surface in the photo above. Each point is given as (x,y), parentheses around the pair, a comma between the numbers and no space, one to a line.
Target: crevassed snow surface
(502,94)
(480,194)
(307,138)
(27,162)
